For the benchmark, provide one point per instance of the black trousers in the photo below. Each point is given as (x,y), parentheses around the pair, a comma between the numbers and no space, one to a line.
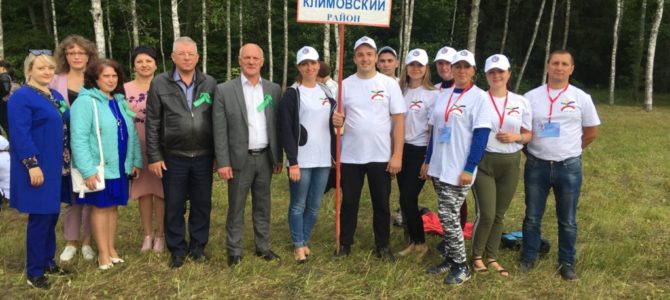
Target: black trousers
(187,178)
(379,184)
(410,186)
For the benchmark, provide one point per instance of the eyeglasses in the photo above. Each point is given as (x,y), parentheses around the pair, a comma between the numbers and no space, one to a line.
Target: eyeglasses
(186,54)
(76,53)
(38,52)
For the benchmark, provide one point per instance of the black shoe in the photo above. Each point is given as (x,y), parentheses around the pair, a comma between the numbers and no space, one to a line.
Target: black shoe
(526,266)
(440,268)
(458,274)
(197,255)
(234,260)
(176,261)
(56,271)
(268,255)
(385,253)
(345,250)
(40,282)
(567,271)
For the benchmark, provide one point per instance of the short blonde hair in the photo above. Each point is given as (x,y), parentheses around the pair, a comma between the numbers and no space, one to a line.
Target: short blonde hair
(30,61)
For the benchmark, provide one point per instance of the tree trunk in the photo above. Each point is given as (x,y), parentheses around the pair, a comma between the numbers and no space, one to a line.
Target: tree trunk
(566,29)
(408,33)
(204,36)
(47,16)
(271,61)
(175,19)
(326,43)
(109,29)
(98,26)
(241,19)
(615,44)
(53,20)
(2,35)
(504,37)
(474,23)
(136,30)
(651,51)
(336,32)
(637,62)
(228,41)
(189,17)
(403,22)
(547,48)
(530,47)
(31,14)
(160,28)
(284,72)
(453,23)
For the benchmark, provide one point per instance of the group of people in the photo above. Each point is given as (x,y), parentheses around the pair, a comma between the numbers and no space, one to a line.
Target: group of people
(159,139)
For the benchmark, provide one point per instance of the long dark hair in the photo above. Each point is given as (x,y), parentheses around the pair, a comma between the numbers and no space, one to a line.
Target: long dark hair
(94,70)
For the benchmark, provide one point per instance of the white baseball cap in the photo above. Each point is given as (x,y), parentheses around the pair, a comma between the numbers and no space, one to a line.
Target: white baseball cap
(418,55)
(497,61)
(365,40)
(387,49)
(464,55)
(306,53)
(445,53)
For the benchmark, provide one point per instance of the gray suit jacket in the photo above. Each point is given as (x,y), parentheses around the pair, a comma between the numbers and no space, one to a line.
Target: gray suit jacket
(231,127)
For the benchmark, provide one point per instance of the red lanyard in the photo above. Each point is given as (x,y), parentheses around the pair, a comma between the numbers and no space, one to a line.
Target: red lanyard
(449,109)
(501,116)
(552,100)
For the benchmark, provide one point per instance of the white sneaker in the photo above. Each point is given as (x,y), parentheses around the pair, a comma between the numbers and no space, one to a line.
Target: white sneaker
(68,253)
(87,252)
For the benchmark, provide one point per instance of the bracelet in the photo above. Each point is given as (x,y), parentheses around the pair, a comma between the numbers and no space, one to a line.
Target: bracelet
(30,162)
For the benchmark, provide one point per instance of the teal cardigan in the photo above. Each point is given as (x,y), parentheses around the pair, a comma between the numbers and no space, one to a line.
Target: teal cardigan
(84,142)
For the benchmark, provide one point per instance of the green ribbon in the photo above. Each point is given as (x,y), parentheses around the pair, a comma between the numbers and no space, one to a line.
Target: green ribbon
(62,107)
(267,100)
(204,98)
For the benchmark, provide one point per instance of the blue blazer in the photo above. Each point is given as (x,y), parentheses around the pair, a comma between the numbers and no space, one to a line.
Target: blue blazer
(36,129)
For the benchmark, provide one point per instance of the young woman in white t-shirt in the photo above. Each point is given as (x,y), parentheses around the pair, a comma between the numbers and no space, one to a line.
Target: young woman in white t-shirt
(461,124)
(498,174)
(306,134)
(419,97)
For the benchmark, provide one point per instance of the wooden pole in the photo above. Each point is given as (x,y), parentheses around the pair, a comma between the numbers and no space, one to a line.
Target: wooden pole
(337,141)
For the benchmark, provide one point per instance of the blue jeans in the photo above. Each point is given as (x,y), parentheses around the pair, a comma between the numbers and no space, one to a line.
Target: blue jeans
(306,197)
(565,177)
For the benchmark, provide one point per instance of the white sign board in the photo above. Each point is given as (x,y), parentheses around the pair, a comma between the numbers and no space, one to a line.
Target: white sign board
(350,12)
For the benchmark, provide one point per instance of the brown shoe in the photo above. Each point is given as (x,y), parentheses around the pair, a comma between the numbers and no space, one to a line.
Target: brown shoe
(407,250)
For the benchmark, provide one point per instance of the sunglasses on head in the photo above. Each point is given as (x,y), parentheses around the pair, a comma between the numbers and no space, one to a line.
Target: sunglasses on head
(38,52)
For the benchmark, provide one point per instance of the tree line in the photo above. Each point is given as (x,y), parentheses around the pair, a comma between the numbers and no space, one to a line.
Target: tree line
(613,41)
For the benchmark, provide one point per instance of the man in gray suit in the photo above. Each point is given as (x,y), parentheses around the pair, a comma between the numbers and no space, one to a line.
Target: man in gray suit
(247,150)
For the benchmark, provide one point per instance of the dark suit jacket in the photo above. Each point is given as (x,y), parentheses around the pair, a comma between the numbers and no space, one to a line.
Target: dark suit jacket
(231,127)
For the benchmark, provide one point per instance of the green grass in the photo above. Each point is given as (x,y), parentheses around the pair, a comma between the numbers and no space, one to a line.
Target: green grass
(622,249)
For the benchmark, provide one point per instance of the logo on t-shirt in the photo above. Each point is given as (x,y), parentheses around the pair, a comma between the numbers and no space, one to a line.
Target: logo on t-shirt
(513,110)
(377,95)
(568,106)
(457,109)
(415,104)
(324,101)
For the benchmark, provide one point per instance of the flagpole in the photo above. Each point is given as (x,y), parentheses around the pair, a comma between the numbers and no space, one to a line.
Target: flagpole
(337,140)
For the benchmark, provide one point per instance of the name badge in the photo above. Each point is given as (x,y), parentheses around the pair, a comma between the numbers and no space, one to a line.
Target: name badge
(550,130)
(444,134)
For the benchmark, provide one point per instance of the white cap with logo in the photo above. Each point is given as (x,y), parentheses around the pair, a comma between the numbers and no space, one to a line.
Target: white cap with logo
(306,53)
(416,55)
(365,40)
(464,55)
(497,61)
(445,53)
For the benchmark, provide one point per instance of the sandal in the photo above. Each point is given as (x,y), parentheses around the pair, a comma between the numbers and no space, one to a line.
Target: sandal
(501,270)
(480,269)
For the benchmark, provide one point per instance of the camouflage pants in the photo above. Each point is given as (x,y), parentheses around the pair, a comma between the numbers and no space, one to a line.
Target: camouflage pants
(449,201)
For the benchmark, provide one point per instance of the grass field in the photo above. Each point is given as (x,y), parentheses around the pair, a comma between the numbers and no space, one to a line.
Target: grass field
(622,250)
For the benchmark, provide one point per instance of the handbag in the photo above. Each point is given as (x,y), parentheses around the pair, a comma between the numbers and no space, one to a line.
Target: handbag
(78,185)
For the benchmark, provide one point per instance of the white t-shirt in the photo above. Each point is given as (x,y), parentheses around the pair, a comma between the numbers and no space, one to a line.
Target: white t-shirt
(314,116)
(4,166)
(368,105)
(450,153)
(516,114)
(419,102)
(332,86)
(572,111)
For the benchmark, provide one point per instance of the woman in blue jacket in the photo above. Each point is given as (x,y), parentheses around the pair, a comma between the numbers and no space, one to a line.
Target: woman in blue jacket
(103,87)
(39,158)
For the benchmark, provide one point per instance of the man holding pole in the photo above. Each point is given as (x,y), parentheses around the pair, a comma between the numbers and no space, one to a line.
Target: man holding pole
(372,109)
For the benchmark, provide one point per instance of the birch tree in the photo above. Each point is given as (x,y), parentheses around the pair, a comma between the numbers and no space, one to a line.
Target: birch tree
(403,21)
(566,29)
(204,36)
(98,26)
(175,19)
(637,62)
(453,23)
(241,32)
(547,48)
(228,41)
(136,30)
(651,51)
(336,71)
(408,33)
(504,36)
(160,30)
(474,23)
(271,61)
(615,44)
(285,68)
(530,47)
(109,29)
(326,43)
(53,20)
